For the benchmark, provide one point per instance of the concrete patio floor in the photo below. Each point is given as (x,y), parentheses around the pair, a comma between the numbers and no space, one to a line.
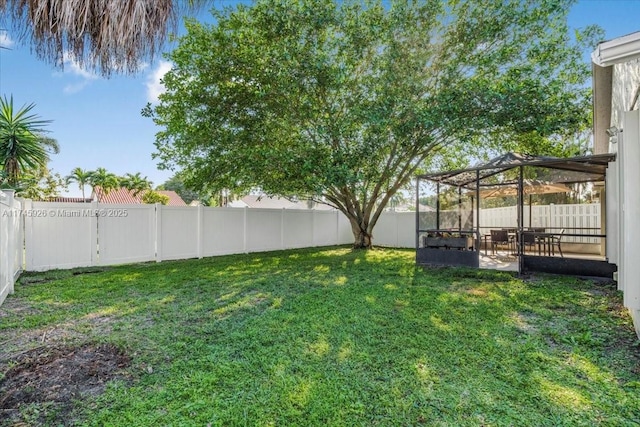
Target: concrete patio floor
(507,261)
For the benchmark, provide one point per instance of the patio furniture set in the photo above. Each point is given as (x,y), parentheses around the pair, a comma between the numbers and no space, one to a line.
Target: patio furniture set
(533,238)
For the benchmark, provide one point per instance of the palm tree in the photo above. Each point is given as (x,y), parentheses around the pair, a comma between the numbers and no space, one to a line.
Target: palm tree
(135,183)
(104,180)
(81,177)
(23,148)
(106,35)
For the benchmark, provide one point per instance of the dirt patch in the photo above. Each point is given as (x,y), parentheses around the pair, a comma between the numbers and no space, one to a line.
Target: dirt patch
(17,307)
(52,379)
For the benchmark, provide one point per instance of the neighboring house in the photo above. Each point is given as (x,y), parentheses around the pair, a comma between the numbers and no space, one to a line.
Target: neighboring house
(125,196)
(616,89)
(266,202)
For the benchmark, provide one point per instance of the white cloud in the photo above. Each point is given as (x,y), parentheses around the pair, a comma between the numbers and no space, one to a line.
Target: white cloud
(74,69)
(75,87)
(71,66)
(5,40)
(154,85)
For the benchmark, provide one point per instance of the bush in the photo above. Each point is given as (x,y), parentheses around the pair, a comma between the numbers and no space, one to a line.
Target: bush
(151,197)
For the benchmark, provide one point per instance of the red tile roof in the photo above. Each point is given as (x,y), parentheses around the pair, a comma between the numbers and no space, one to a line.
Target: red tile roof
(174,198)
(124,196)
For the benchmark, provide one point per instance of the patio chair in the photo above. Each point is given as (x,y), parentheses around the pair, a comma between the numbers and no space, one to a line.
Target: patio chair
(555,242)
(529,241)
(499,237)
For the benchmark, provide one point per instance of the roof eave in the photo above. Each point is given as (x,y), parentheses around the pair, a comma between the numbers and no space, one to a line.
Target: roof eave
(616,51)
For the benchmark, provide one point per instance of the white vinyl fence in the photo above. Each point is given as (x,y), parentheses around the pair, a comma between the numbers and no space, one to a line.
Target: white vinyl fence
(11,236)
(68,235)
(583,218)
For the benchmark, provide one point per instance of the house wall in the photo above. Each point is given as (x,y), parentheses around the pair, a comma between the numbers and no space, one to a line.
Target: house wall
(623,199)
(629,213)
(626,81)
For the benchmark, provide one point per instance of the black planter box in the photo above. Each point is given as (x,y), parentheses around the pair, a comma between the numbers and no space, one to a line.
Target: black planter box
(441,256)
(464,243)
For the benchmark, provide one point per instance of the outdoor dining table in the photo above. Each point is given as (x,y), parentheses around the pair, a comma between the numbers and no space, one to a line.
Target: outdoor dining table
(544,241)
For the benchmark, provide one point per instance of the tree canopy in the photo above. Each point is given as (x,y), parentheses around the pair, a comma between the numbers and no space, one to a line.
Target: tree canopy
(344,102)
(176,184)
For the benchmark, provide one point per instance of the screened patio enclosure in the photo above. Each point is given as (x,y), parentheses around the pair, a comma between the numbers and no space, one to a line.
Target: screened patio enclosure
(538,214)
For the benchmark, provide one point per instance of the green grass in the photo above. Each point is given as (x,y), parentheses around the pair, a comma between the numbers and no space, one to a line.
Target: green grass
(341,337)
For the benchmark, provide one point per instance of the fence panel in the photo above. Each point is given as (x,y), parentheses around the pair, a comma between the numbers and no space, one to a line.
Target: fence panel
(385,233)
(578,218)
(223,231)
(129,237)
(325,228)
(395,230)
(264,230)
(17,244)
(298,229)
(406,229)
(59,235)
(11,232)
(345,234)
(6,211)
(178,232)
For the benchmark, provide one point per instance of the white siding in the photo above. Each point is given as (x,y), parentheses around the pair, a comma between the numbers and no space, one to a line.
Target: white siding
(629,267)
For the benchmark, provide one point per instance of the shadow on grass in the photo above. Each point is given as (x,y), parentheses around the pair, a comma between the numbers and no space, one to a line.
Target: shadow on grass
(334,336)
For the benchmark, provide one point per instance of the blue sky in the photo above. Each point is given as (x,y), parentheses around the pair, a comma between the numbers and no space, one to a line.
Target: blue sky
(97,121)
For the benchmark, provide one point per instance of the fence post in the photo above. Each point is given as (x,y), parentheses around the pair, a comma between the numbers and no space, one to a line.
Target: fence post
(158,236)
(4,225)
(337,229)
(95,234)
(282,229)
(244,231)
(29,243)
(313,228)
(200,232)
(11,238)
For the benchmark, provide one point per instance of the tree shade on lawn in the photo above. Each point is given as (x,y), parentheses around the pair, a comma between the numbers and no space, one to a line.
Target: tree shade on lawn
(329,337)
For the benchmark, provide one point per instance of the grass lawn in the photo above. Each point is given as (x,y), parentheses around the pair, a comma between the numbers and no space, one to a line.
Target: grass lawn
(327,337)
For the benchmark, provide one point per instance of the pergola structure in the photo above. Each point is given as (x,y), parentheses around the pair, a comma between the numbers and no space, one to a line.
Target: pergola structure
(455,237)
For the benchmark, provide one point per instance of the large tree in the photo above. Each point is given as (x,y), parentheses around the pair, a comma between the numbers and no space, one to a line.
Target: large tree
(343,102)
(108,35)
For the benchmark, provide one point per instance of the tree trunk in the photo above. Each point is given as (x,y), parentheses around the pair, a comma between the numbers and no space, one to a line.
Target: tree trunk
(363,238)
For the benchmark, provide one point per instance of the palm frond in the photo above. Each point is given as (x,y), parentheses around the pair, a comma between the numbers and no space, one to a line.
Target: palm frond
(106,35)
